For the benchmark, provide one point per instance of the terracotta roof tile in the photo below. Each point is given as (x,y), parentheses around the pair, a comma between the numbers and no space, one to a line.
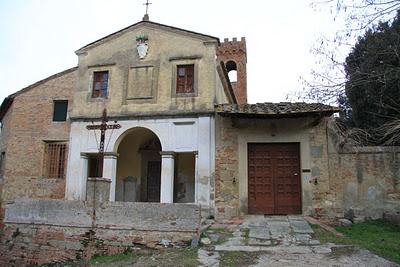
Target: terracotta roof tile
(282,109)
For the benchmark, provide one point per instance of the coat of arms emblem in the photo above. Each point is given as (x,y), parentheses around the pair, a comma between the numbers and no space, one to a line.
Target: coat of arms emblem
(142,45)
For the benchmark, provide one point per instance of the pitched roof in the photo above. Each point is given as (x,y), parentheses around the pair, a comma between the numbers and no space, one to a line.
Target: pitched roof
(148,23)
(5,105)
(276,110)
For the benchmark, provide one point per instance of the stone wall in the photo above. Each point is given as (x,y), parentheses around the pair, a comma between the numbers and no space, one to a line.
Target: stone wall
(337,181)
(43,231)
(364,181)
(29,119)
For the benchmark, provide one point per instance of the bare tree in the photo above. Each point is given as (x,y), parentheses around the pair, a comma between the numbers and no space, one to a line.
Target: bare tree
(326,82)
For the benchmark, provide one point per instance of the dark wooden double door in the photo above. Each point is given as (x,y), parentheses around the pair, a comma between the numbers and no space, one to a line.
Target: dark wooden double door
(274,185)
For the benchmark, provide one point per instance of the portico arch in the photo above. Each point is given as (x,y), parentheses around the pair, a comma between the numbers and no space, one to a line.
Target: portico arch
(138,177)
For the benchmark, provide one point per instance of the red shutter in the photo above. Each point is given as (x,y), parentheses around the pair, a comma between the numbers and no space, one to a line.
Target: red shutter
(100,81)
(185,79)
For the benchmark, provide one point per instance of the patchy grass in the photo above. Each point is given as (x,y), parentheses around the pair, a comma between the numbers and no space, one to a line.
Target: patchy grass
(224,234)
(325,236)
(246,232)
(380,237)
(126,256)
(238,258)
(163,257)
(337,252)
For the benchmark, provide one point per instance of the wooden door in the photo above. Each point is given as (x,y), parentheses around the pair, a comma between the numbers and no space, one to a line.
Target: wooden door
(153,181)
(274,184)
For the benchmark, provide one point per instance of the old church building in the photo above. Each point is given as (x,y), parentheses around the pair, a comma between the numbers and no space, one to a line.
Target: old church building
(185,134)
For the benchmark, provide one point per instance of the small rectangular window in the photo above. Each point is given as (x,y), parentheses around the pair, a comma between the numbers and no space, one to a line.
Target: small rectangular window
(56,160)
(185,79)
(2,162)
(95,166)
(100,83)
(60,110)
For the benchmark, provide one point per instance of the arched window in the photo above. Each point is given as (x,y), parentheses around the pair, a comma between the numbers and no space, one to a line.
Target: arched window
(232,70)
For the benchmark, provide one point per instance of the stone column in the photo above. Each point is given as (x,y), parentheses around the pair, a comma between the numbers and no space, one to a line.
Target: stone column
(196,176)
(110,172)
(84,176)
(204,161)
(167,177)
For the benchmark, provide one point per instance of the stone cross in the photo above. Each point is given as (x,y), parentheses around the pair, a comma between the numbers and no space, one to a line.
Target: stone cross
(103,127)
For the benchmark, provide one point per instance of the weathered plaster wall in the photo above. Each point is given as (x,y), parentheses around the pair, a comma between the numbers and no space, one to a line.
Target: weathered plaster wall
(179,135)
(43,231)
(348,182)
(184,180)
(26,126)
(167,49)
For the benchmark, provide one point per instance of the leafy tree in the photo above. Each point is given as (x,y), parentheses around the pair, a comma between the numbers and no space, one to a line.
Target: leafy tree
(373,76)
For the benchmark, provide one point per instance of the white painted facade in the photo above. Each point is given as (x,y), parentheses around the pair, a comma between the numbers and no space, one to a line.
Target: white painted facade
(189,134)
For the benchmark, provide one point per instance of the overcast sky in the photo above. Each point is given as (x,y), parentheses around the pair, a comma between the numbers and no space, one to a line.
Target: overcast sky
(39,37)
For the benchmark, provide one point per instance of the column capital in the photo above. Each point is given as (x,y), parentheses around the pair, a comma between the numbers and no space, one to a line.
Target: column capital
(167,153)
(106,154)
(111,155)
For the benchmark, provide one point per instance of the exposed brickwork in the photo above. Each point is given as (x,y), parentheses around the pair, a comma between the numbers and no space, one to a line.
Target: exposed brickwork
(24,244)
(50,231)
(236,51)
(358,183)
(29,119)
(226,168)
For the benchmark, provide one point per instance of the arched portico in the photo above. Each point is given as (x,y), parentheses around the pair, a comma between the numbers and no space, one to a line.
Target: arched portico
(144,173)
(184,151)
(138,177)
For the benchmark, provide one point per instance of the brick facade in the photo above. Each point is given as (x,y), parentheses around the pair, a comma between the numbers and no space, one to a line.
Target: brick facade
(26,126)
(236,51)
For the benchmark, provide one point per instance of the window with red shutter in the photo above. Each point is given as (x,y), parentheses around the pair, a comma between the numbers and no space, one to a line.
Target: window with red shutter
(185,79)
(100,83)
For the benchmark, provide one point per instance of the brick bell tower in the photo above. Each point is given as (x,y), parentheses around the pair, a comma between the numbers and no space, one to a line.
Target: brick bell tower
(234,55)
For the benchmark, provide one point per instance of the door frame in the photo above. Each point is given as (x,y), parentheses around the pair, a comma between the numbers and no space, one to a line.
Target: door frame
(301,137)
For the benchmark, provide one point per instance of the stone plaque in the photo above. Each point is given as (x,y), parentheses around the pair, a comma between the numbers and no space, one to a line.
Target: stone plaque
(140,83)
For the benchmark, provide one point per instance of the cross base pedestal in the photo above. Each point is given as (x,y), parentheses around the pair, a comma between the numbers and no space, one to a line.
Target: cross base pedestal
(99,189)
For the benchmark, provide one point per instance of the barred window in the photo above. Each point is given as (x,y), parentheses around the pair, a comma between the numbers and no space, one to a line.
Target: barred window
(56,160)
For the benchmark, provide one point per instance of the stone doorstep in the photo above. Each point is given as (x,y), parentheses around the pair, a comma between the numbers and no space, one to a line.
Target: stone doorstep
(296,218)
(259,233)
(301,227)
(276,218)
(259,242)
(276,249)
